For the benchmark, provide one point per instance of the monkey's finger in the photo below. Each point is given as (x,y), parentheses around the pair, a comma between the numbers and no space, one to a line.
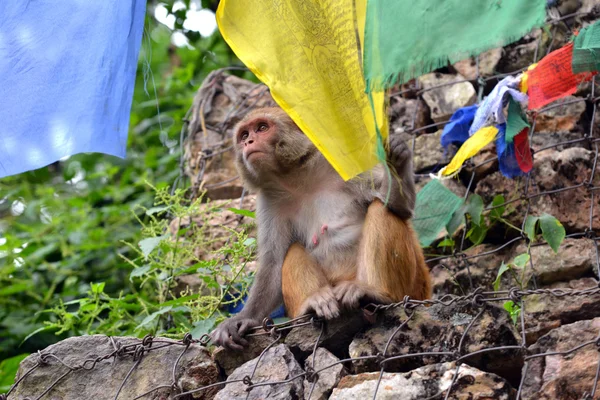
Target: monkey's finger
(237,338)
(231,345)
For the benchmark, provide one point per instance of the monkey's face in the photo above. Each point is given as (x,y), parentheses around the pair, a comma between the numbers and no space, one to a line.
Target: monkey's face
(269,143)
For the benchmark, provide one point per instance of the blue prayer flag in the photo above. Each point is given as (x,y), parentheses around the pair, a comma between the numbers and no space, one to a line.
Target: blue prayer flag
(67,71)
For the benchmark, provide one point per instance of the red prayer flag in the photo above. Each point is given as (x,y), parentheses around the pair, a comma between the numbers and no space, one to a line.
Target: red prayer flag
(522,151)
(553,78)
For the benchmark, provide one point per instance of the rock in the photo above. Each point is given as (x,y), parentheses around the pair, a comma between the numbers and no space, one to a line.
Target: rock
(220,103)
(103,379)
(336,337)
(566,376)
(552,170)
(327,379)
(452,275)
(277,364)
(544,312)
(560,119)
(575,258)
(402,112)
(431,381)
(445,100)
(439,328)
(487,64)
(429,153)
(521,53)
(229,360)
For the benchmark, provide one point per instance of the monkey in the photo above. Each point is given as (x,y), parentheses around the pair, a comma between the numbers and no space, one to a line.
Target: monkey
(324,244)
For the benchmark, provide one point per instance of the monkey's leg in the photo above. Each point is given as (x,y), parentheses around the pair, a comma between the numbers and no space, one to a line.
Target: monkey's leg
(305,287)
(390,262)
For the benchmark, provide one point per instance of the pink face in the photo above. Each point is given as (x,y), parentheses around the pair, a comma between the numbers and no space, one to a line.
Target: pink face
(255,138)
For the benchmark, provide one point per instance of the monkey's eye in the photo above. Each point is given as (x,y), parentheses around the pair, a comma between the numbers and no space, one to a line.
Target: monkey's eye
(262,127)
(244,135)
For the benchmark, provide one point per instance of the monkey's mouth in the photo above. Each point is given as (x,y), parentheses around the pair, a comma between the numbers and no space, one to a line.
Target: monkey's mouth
(250,153)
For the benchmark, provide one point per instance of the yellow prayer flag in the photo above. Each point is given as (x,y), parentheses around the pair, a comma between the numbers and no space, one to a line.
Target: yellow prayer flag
(525,78)
(309,54)
(472,146)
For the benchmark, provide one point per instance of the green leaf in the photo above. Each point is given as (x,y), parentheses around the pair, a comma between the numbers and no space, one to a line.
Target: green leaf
(249,242)
(153,316)
(98,288)
(8,371)
(156,210)
(503,268)
(513,309)
(448,242)
(529,227)
(245,213)
(15,288)
(497,210)
(139,272)
(521,260)
(149,244)
(477,234)
(203,327)
(552,231)
(458,219)
(475,208)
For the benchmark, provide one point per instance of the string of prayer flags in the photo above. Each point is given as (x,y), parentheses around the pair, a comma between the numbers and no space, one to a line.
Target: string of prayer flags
(586,50)
(516,122)
(553,78)
(491,111)
(471,147)
(456,130)
(434,208)
(507,159)
(523,151)
(442,31)
(308,54)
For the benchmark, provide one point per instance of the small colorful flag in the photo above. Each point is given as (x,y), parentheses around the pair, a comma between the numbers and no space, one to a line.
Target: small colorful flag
(507,159)
(456,130)
(553,78)
(516,121)
(434,208)
(309,54)
(523,151)
(491,111)
(441,31)
(586,51)
(471,147)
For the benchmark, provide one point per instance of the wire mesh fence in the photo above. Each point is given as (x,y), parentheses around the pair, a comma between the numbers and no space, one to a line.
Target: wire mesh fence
(477,296)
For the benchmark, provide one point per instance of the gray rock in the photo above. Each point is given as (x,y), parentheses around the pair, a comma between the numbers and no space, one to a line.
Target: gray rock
(563,376)
(402,112)
(487,64)
(431,381)
(445,100)
(544,312)
(336,337)
(326,379)
(229,360)
(277,364)
(194,370)
(563,118)
(429,153)
(439,329)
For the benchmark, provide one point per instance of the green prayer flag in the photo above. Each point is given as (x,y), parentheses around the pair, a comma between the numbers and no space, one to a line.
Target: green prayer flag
(407,38)
(586,49)
(433,210)
(515,122)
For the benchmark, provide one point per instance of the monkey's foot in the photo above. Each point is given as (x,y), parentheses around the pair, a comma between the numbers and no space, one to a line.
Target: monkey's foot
(323,303)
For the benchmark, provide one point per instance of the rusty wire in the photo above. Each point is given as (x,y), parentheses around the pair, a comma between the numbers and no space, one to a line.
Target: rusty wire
(478,296)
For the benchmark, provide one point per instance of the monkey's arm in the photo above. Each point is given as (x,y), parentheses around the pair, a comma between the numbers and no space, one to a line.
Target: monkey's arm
(400,183)
(265,294)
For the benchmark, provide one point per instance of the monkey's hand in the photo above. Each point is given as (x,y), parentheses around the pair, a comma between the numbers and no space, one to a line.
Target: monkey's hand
(351,293)
(323,303)
(398,190)
(230,332)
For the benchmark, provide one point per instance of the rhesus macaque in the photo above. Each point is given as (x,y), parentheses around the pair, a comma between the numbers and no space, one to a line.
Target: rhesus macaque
(324,244)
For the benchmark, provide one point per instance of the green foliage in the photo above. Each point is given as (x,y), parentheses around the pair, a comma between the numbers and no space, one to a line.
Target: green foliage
(518,264)
(8,370)
(552,230)
(514,310)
